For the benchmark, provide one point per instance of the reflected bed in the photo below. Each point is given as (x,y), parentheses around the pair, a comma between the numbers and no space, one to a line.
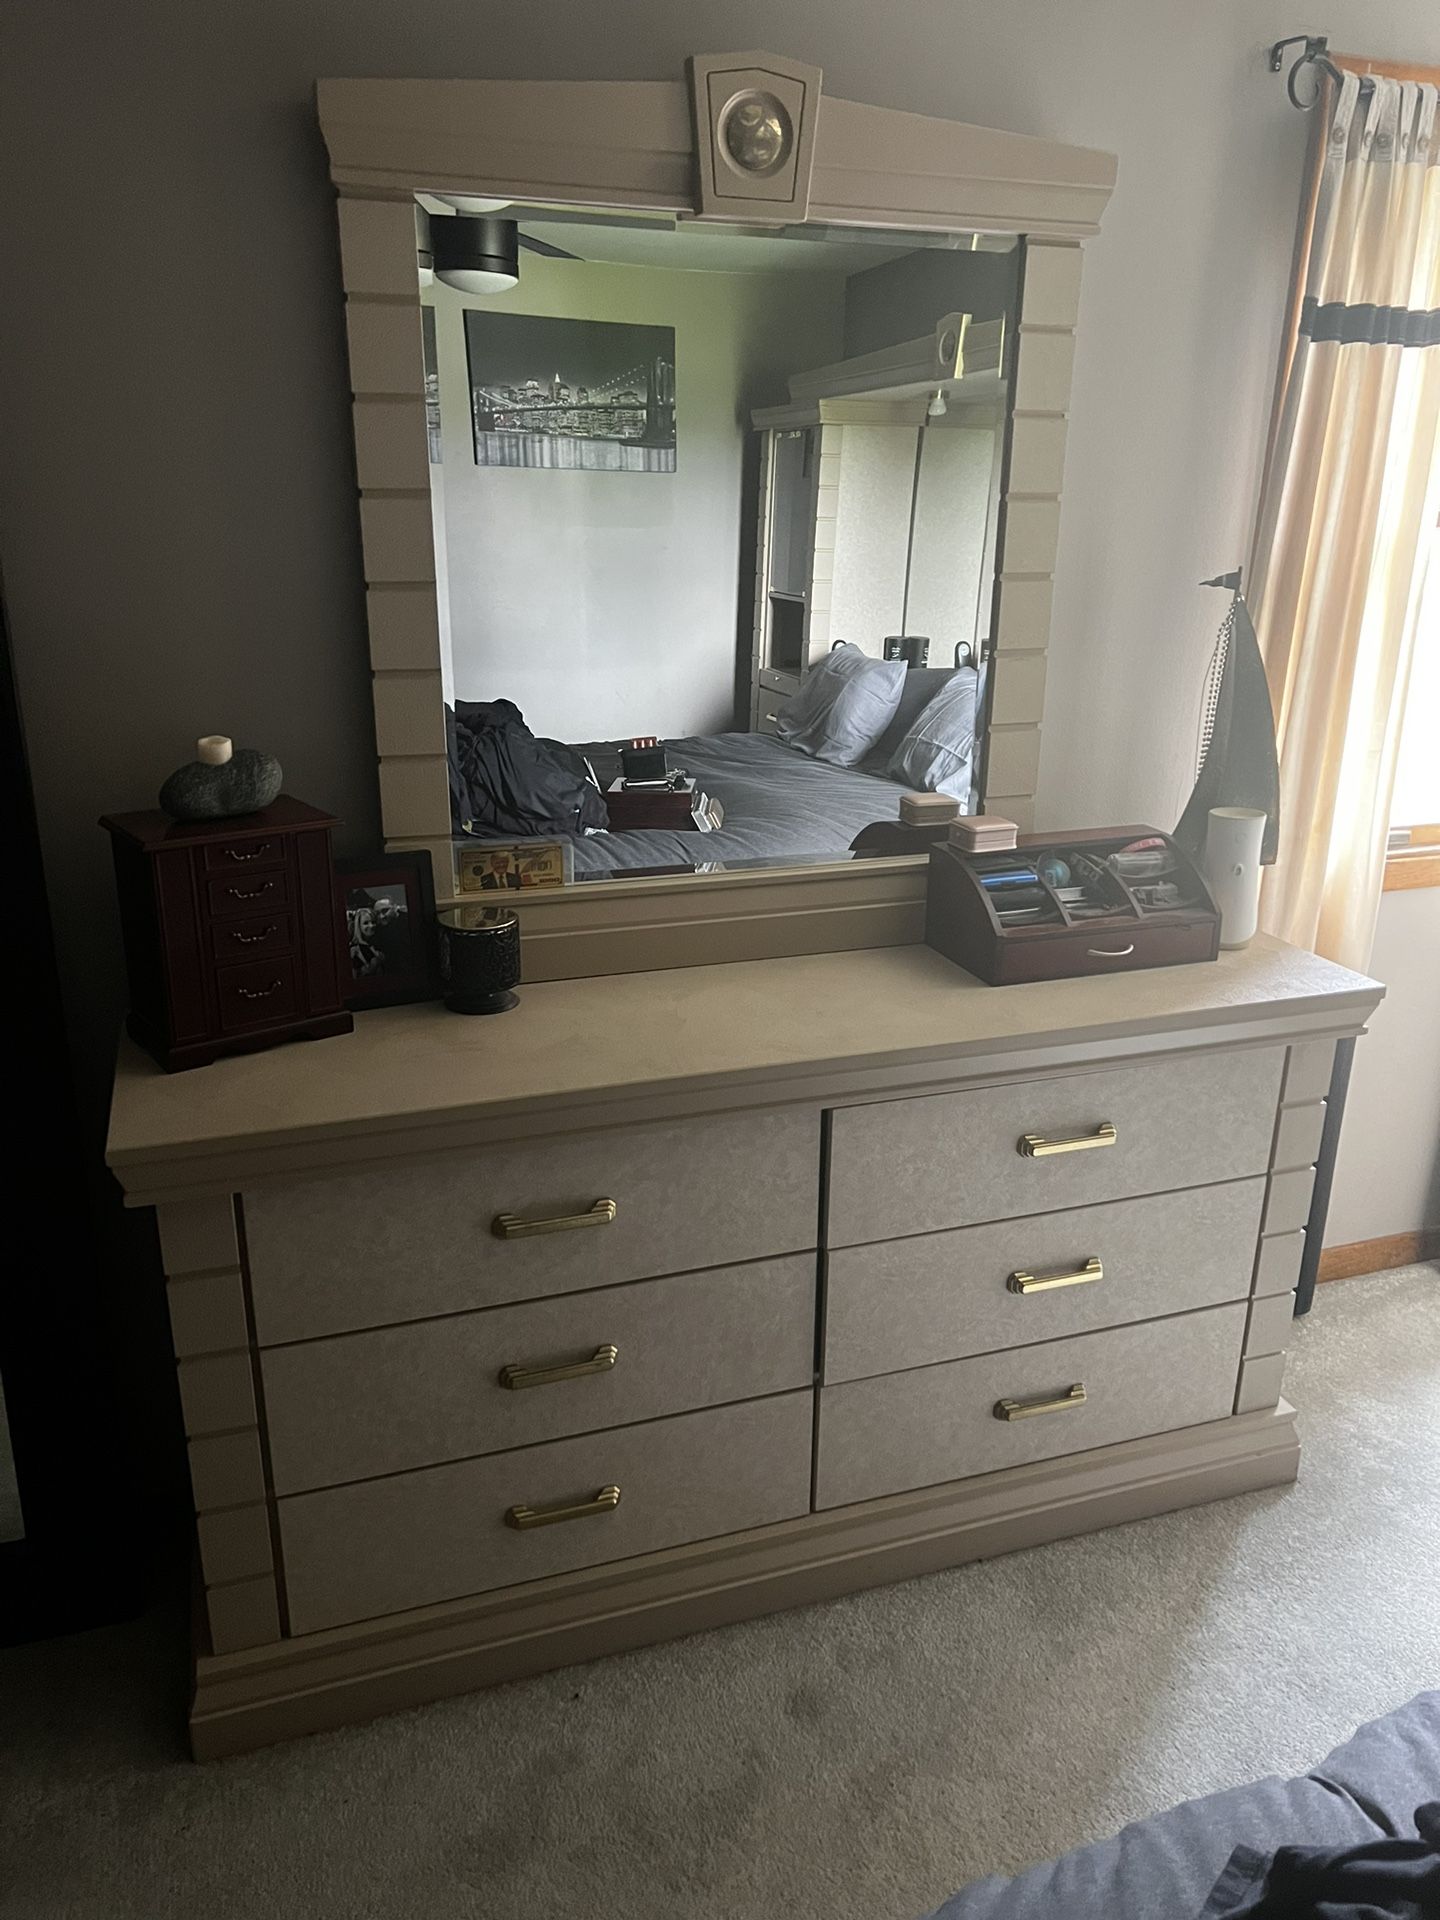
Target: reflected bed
(779,804)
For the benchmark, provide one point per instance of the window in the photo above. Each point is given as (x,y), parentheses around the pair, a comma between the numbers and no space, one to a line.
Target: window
(1415,809)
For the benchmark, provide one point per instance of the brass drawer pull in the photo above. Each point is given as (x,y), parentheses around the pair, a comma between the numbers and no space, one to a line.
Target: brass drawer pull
(1023,1281)
(250,939)
(250,893)
(600,1361)
(259,993)
(1036,1146)
(232,854)
(523,1518)
(1027,1409)
(509,1226)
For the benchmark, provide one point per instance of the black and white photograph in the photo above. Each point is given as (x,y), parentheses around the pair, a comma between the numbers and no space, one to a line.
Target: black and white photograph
(386,903)
(592,395)
(377,927)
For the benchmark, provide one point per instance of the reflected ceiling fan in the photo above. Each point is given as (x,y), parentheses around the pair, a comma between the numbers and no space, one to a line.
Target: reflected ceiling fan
(475,247)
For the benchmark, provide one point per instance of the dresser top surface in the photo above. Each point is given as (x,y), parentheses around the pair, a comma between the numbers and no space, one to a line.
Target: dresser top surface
(588,1053)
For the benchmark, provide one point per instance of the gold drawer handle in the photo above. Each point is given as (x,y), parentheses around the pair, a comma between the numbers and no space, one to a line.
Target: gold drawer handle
(1036,1146)
(600,1361)
(1027,1409)
(509,1226)
(250,939)
(1023,1281)
(250,893)
(233,853)
(523,1518)
(259,993)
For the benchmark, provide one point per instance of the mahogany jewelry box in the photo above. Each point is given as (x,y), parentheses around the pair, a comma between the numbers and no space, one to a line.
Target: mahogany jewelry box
(232,942)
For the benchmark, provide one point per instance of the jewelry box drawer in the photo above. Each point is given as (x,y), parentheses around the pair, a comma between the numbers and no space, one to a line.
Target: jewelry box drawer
(257,993)
(365,1404)
(247,893)
(943,1296)
(380,1546)
(942,1423)
(993,1153)
(244,856)
(1128,948)
(252,939)
(464,1230)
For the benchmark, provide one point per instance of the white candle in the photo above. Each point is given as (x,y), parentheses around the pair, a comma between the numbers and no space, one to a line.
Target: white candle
(214,749)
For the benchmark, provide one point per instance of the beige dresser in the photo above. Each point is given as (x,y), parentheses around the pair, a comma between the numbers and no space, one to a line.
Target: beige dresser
(679,1297)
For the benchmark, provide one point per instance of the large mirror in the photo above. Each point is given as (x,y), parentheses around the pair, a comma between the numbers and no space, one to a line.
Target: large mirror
(715,524)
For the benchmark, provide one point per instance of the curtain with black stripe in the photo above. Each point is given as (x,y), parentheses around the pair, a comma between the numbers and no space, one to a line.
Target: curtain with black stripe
(1352,494)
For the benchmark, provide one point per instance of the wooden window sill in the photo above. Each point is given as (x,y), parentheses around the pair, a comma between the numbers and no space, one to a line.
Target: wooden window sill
(1417,865)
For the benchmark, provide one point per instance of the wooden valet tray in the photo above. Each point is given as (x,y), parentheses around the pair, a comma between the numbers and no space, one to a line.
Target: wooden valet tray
(962,921)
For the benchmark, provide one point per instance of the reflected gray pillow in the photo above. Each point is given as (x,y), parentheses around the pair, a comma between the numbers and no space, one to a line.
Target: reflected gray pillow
(920,688)
(937,754)
(844,705)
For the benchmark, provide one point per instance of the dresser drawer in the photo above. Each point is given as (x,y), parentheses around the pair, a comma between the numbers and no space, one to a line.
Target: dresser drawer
(953,1159)
(252,938)
(942,1423)
(770,713)
(245,855)
(229,894)
(365,1404)
(376,1248)
(354,1553)
(257,993)
(784,681)
(941,1296)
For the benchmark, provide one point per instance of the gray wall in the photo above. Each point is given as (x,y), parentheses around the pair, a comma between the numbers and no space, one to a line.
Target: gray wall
(177,532)
(881,303)
(1387,1176)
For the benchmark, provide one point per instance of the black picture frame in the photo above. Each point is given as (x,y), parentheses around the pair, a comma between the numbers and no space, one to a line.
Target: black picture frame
(399,960)
(595,396)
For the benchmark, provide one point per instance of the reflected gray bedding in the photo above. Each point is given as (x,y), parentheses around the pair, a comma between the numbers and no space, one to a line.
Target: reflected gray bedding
(778,804)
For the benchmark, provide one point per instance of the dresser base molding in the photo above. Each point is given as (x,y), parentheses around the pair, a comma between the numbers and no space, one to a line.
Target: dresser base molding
(350,1674)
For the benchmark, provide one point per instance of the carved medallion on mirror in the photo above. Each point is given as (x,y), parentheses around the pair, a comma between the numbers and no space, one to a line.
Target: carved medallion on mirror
(694,543)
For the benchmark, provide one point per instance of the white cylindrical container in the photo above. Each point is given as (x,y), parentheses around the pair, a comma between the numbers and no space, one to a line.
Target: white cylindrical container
(1231,865)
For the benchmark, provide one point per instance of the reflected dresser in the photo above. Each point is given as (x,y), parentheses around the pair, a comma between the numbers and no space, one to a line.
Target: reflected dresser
(679,1297)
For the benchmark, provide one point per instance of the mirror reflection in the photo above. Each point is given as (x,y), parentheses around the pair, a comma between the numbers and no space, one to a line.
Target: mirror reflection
(714,519)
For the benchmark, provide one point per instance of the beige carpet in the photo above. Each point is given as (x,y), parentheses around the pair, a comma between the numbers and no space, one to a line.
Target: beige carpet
(863,1758)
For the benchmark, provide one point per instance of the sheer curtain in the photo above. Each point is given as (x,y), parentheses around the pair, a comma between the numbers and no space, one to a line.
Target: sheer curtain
(1353,486)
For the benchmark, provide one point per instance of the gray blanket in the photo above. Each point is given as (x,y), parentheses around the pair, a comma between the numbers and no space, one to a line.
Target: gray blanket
(1164,1868)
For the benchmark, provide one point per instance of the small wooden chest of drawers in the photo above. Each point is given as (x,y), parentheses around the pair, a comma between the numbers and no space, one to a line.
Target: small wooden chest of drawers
(231,937)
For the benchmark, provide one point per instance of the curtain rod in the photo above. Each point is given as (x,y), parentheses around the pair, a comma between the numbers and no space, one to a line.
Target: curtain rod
(1315,52)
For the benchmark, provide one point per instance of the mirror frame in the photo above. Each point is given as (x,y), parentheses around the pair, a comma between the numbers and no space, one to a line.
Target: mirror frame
(654,145)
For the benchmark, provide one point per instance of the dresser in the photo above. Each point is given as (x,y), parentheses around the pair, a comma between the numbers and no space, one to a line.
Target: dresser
(676,1298)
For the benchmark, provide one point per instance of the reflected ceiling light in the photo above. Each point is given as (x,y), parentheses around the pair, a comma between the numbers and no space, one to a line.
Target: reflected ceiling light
(469,203)
(937,408)
(476,253)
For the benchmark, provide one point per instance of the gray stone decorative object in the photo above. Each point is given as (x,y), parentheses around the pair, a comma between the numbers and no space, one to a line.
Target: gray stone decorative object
(222,780)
